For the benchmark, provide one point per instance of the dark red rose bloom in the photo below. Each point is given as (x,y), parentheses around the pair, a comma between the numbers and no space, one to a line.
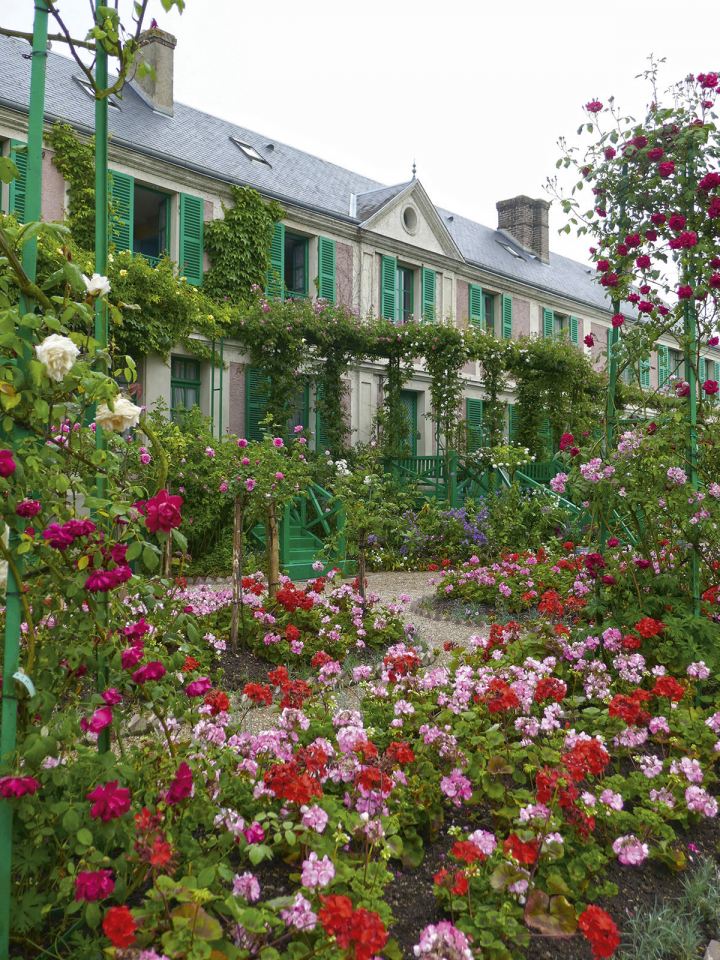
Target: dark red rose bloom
(656,153)
(7,464)
(181,786)
(163,512)
(666,169)
(618,320)
(109,801)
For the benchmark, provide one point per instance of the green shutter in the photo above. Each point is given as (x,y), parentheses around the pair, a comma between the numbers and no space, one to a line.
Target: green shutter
(548,322)
(276,273)
(321,437)
(474,423)
(506,309)
(191,238)
(388,276)
(255,403)
(475,304)
(702,370)
(428,295)
(663,363)
(326,268)
(546,436)
(122,199)
(644,373)
(17,189)
(574,330)
(513,423)
(716,373)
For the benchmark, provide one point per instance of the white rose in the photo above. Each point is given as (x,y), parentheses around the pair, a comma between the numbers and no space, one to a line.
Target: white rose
(97,286)
(125,415)
(58,354)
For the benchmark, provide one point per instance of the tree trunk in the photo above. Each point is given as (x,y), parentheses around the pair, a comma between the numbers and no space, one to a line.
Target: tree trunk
(273,551)
(361,567)
(168,550)
(237,573)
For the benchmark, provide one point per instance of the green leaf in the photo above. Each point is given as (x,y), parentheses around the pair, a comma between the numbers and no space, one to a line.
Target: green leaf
(71,821)
(552,916)
(556,884)
(85,837)
(8,170)
(206,876)
(92,915)
(134,551)
(150,557)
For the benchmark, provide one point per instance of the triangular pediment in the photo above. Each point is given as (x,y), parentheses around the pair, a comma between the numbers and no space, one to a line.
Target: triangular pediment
(407,214)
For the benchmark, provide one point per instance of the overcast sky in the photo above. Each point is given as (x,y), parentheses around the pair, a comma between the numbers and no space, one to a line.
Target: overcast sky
(476,93)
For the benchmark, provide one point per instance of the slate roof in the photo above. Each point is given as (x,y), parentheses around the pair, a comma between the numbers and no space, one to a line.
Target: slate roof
(201,142)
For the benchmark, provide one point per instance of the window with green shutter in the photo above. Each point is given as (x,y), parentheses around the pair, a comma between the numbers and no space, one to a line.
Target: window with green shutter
(513,423)
(256,397)
(676,364)
(191,238)
(184,386)
(388,281)
(644,369)
(151,222)
(475,304)
(404,295)
(507,312)
(408,401)
(546,436)
(295,264)
(17,188)
(548,322)
(574,327)
(122,200)
(428,295)
(326,268)
(489,312)
(473,416)
(276,270)
(321,434)
(663,364)
(300,415)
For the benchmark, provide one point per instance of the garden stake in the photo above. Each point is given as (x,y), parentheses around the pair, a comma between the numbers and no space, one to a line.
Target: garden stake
(13,613)
(14,586)
(101,263)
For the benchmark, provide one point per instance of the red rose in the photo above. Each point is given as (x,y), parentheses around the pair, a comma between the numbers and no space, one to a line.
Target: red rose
(644,262)
(594,106)
(685,293)
(710,386)
(589,340)
(618,320)
(119,926)
(93,885)
(109,801)
(603,266)
(651,235)
(163,512)
(7,464)
(658,219)
(656,153)
(709,182)
(666,169)
(181,786)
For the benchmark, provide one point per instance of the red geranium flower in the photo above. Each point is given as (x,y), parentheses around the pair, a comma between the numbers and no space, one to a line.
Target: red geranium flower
(600,930)
(550,688)
(669,687)
(647,627)
(522,852)
(119,926)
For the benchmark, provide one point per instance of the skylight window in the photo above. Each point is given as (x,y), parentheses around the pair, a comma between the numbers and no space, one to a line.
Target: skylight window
(250,152)
(511,250)
(87,87)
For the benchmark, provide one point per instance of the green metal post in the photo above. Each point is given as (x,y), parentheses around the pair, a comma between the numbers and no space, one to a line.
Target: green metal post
(222,364)
(13,613)
(452,479)
(212,387)
(101,324)
(691,359)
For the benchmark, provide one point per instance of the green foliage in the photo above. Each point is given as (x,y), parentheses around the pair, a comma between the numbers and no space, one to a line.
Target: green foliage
(239,246)
(662,933)
(75,160)
(522,519)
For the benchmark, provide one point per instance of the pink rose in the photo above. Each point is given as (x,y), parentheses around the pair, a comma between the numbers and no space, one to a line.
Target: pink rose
(95,885)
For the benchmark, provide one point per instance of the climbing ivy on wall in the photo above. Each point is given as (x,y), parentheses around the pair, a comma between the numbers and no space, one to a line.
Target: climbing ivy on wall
(239,246)
(76,162)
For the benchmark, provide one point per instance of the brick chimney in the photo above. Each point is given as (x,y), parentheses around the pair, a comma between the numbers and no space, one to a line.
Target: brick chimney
(157,49)
(526,222)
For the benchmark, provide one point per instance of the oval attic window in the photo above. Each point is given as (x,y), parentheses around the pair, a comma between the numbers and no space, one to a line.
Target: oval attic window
(410,220)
